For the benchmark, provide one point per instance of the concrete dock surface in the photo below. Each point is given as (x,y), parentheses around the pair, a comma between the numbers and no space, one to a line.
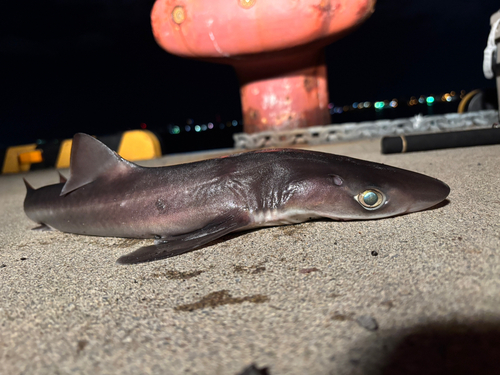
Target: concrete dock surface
(414,294)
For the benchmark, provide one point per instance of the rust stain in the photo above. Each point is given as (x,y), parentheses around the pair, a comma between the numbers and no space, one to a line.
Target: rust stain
(252,114)
(310,84)
(342,317)
(178,14)
(247,4)
(324,6)
(219,298)
(325,12)
(335,295)
(80,345)
(252,121)
(389,304)
(308,270)
(258,268)
(176,275)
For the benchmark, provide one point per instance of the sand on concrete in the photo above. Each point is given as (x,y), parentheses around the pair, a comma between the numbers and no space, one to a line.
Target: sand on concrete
(412,294)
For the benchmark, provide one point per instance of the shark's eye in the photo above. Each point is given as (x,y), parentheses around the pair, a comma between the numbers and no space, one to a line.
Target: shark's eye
(370,199)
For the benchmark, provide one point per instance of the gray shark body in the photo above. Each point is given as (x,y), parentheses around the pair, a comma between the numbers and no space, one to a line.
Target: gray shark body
(186,206)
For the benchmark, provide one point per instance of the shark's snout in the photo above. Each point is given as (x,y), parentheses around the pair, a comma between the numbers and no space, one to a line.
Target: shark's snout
(429,194)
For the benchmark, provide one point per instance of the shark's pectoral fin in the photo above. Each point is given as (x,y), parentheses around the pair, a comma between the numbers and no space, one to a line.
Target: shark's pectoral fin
(184,243)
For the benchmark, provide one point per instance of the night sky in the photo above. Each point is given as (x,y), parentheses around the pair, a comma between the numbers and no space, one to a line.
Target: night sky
(93,65)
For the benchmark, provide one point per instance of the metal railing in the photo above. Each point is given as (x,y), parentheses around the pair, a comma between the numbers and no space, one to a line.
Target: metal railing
(369,129)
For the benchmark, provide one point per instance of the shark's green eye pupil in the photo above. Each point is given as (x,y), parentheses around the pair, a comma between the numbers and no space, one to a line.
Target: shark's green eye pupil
(370,198)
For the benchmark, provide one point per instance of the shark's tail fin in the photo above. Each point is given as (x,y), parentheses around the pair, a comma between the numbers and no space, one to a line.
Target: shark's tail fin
(29,189)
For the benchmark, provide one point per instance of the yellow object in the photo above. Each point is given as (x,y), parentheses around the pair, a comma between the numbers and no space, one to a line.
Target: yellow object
(139,145)
(64,154)
(12,162)
(31,157)
(466,99)
(134,145)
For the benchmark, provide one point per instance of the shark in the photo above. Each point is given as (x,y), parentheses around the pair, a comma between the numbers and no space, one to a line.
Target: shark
(183,207)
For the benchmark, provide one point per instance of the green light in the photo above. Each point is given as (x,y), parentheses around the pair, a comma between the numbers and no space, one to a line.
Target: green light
(379,105)
(430,100)
(197,128)
(176,130)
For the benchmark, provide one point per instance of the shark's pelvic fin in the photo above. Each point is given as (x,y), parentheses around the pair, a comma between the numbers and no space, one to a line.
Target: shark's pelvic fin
(183,243)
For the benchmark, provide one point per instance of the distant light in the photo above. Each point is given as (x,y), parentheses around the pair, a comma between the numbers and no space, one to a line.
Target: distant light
(379,105)
(210,125)
(187,128)
(143,125)
(430,100)
(355,105)
(175,130)
(360,105)
(394,103)
(330,105)
(235,123)
(221,126)
(346,108)
(189,121)
(203,127)
(367,104)
(338,110)
(449,98)
(421,100)
(197,128)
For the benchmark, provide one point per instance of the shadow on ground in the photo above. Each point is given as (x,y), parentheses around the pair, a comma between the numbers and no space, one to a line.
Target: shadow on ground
(439,348)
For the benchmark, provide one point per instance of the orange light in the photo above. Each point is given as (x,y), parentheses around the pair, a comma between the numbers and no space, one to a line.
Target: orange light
(31,157)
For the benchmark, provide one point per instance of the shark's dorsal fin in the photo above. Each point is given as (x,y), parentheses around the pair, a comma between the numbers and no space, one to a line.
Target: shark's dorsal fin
(91,159)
